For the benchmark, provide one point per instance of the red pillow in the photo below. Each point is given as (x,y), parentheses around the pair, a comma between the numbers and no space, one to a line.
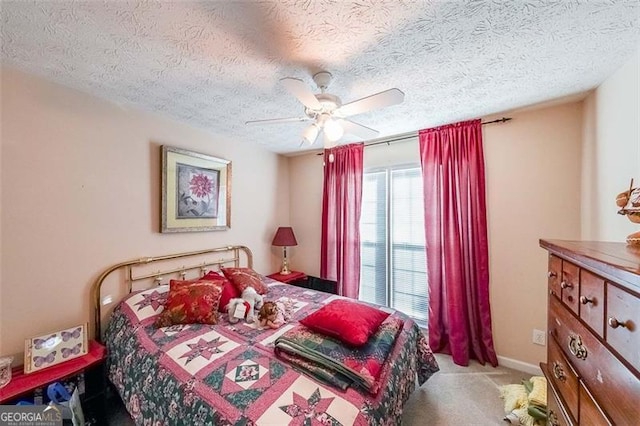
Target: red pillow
(245,277)
(212,276)
(191,302)
(229,291)
(349,321)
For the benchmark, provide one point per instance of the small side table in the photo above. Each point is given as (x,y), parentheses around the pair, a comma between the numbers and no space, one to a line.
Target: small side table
(91,365)
(288,278)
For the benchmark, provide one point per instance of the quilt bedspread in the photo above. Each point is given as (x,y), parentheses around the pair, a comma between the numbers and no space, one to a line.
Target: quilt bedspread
(228,374)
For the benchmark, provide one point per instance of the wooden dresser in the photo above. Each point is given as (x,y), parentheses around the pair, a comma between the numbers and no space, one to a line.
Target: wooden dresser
(593,353)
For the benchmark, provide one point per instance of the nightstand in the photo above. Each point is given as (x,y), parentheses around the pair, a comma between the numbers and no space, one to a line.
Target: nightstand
(300,279)
(85,371)
(288,278)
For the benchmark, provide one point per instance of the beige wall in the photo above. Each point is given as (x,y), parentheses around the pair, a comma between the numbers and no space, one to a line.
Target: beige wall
(533,191)
(81,191)
(611,154)
(306,174)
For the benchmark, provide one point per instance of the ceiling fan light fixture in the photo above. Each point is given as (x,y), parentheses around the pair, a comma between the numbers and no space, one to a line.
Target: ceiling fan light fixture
(310,134)
(329,143)
(333,130)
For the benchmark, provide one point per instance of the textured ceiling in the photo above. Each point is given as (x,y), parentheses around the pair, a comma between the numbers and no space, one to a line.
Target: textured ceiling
(216,65)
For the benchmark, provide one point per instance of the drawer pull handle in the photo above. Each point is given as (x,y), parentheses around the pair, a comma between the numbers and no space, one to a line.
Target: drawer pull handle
(553,419)
(577,348)
(565,284)
(551,274)
(584,300)
(614,323)
(558,371)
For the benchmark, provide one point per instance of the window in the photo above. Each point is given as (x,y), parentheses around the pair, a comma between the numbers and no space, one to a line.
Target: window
(393,265)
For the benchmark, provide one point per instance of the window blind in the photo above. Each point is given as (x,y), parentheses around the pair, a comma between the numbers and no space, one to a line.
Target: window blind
(393,257)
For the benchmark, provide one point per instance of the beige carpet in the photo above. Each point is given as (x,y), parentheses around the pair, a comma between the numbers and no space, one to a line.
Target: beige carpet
(460,395)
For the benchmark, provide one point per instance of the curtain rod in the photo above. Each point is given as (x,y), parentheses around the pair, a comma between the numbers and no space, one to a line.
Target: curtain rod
(414,134)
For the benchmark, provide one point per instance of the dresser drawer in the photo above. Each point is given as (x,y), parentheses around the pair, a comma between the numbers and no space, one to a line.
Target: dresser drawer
(623,320)
(554,274)
(590,413)
(556,416)
(563,377)
(610,382)
(570,285)
(592,301)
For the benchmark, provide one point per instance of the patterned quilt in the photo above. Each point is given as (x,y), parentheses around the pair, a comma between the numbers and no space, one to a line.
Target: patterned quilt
(228,374)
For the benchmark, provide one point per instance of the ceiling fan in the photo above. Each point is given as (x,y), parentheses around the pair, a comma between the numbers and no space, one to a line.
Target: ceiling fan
(328,113)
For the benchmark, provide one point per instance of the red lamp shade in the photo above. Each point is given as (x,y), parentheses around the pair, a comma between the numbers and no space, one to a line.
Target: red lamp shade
(284,237)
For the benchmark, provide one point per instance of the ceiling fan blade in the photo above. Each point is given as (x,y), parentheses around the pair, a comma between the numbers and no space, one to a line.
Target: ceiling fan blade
(300,90)
(358,130)
(379,100)
(278,120)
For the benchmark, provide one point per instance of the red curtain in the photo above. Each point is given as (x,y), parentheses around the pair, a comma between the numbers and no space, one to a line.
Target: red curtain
(456,235)
(341,204)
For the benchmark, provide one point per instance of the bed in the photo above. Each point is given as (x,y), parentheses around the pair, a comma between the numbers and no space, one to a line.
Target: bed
(229,373)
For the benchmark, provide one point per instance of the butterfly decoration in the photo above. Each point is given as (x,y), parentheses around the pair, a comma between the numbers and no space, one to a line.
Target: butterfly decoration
(41,360)
(47,342)
(66,335)
(68,344)
(66,352)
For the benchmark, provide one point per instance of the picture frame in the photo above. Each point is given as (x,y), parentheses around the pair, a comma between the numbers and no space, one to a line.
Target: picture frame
(196,191)
(53,348)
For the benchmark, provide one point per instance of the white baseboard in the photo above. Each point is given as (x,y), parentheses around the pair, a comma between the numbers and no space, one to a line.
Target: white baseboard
(519,365)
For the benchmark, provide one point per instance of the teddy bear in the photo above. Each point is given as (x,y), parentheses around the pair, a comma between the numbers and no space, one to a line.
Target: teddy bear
(274,314)
(244,306)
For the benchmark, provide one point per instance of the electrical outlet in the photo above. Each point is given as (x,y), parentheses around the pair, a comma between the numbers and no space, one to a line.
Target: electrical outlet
(539,337)
(107,300)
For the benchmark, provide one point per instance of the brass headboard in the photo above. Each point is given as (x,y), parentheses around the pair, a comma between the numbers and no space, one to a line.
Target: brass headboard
(231,255)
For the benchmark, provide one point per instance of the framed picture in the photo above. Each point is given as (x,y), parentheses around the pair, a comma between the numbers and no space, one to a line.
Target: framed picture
(196,191)
(53,348)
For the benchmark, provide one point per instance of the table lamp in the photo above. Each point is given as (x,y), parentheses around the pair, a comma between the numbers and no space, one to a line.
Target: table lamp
(284,238)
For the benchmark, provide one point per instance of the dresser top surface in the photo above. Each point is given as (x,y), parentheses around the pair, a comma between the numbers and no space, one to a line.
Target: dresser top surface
(618,262)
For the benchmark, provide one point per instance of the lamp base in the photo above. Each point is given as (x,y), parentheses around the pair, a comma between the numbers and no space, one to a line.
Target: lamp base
(285,264)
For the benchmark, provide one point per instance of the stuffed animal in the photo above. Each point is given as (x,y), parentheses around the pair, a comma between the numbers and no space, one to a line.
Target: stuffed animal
(274,314)
(629,203)
(244,306)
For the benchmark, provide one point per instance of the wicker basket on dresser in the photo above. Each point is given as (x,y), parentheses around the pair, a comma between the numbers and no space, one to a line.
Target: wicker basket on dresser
(593,354)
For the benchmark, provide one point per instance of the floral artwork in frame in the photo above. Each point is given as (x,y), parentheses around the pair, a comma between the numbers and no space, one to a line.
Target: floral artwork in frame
(197,194)
(196,191)
(53,348)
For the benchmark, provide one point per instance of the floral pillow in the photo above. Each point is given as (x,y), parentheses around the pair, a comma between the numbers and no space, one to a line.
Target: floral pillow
(229,291)
(245,277)
(348,321)
(191,302)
